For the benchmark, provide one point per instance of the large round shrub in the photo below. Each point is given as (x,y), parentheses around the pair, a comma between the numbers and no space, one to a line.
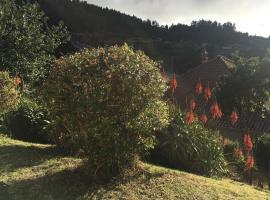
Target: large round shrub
(106,103)
(9,97)
(191,148)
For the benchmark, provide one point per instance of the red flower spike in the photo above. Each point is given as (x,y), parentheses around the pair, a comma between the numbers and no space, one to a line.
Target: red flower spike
(174,83)
(219,114)
(192,104)
(204,119)
(214,108)
(248,145)
(18,80)
(207,93)
(190,118)
(199,87)
(234,117)
(250,162)
(216,111)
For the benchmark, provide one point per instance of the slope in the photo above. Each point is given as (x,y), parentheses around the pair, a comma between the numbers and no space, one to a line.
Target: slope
(33,171)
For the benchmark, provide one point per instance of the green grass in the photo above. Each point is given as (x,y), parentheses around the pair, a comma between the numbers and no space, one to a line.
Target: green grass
(36,172)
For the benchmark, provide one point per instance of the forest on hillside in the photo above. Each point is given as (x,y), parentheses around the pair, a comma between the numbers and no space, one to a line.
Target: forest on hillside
(178,46)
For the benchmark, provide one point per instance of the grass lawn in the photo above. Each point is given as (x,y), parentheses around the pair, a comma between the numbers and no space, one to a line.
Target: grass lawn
(36,172)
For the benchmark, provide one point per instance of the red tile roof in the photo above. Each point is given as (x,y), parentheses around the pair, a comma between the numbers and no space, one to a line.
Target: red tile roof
(209,72)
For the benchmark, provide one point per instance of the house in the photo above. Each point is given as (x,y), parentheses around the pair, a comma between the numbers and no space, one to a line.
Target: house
(208,72)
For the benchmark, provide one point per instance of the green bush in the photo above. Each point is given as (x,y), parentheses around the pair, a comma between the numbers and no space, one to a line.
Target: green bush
(262,152)
(106,103)
(191,148)
(29,122)
(9,97)
(234,155)
(229,150)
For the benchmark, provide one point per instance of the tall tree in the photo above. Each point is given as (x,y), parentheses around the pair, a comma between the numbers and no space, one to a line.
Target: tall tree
(27,42)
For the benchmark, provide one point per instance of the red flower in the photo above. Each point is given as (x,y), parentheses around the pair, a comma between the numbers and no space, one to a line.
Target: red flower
(214,108)
(219,114)
(199,87)
(18,80)
(192,104)
(248,145)
(190,117)
(250,162)
(234,117)
(238,153)
(207,93)
(204,119)
(216,111)
(174,82)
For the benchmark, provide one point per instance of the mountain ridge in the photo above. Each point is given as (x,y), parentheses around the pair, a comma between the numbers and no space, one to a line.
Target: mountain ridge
(179,46)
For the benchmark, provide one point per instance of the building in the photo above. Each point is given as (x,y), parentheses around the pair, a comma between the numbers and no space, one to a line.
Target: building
(208,73)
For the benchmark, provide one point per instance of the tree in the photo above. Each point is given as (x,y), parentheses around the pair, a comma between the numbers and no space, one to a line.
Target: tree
(8,93)
(247,89)
(106,103)
(27,42)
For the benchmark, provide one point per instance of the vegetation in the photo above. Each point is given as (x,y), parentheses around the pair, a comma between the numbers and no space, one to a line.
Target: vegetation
(247,89)
(106,102)
(27,42)
(230,150)
(33,171)
(29,122)
(94,19)
(262,153)
(190,147)
(9,97)
(179,45)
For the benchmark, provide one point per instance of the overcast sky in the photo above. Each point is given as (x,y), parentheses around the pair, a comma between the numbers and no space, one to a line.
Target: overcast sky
(252,16)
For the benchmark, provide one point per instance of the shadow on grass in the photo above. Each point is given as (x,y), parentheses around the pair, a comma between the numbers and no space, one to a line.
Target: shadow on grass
(71,184)
(15,157)
(65,184)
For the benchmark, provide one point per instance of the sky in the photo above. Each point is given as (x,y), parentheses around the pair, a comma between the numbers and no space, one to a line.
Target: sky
(252,16)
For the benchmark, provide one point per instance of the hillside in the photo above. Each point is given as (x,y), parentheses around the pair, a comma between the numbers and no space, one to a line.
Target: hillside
(178,46)
(33,171)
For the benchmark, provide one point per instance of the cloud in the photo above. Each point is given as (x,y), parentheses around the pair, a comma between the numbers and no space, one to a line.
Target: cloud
(249,15)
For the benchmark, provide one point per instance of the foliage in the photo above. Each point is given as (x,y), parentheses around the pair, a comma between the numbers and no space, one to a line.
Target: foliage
(29,122)
(235,157)
(247,89)
(178,45)
(106,102)
(190,147)
(9,97)
(27,42)
(262,152)
(230,149)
